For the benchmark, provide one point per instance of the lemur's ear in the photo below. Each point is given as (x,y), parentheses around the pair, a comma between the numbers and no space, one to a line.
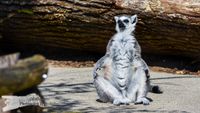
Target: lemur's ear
(134,19)
(116,18)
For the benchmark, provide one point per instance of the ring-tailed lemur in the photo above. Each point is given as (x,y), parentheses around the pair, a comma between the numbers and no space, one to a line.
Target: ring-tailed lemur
(126,75)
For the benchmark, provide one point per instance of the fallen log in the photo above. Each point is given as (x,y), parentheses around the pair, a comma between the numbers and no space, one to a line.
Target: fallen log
(166,27)
(23,75)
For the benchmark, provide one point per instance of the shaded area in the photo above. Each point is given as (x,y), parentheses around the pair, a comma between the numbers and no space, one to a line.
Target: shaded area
(70,58)
(177,77)
(57,92)
(173,62)
(71,88)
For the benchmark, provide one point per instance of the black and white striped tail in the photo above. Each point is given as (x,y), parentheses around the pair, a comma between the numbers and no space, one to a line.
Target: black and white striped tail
(155,89)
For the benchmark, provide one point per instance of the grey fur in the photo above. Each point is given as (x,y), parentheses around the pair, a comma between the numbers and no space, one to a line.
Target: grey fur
(125,76)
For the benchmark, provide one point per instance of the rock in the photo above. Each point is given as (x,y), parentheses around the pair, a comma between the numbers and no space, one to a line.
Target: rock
(24,74)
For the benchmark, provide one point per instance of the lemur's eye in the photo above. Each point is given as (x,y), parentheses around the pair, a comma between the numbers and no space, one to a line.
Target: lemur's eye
(126,21)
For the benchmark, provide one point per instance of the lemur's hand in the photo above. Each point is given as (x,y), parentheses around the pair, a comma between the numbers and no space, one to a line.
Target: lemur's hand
(98,68)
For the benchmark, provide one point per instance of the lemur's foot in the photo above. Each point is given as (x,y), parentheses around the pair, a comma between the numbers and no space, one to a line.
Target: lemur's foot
(143,101)
(125,101)
(117,102)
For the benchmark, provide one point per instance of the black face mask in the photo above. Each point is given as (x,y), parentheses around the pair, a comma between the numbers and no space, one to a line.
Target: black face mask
(121,25)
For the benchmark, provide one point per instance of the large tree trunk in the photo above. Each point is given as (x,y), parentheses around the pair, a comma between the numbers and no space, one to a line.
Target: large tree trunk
(166,27)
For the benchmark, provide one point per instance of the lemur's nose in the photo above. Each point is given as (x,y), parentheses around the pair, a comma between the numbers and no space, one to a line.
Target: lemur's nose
(121,24)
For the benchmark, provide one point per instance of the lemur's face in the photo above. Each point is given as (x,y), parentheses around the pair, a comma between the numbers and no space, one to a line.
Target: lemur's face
(125,23)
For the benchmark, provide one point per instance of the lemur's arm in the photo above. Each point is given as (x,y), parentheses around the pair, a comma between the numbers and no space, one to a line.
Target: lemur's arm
(102,62)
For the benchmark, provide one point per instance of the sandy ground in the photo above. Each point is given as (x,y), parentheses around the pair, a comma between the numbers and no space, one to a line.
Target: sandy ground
(71,90)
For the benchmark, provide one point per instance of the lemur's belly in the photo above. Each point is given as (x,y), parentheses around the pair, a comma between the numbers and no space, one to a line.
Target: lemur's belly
(121,67)
(122,52)
(121,77)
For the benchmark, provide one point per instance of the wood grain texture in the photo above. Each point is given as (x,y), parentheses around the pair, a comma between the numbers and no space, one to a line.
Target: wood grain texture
(165,27)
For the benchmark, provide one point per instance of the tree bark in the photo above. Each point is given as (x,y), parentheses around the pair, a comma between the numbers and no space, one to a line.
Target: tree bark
(165,27)
(25,74)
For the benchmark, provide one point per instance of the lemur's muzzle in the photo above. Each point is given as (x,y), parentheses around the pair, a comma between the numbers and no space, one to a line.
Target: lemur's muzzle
(121,25)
